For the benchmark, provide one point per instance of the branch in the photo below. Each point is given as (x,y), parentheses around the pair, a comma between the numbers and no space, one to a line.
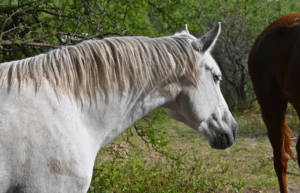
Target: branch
(5,9)
(8,43)
(102,17)
(9,18)
(45,11)
(224,73)
(102,35)
(3,33)
(85,3)
(230,57)
(163,14)
(58,18)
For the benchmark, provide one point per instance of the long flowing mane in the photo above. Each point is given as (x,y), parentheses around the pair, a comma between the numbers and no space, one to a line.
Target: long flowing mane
(117,62)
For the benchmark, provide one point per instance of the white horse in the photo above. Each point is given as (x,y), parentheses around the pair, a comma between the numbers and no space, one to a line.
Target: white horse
(58,109)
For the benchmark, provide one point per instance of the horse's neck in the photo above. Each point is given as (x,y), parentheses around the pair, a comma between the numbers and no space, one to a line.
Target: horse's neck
(110,118)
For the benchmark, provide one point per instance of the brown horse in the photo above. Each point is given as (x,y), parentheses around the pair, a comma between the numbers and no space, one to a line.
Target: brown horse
(274,67)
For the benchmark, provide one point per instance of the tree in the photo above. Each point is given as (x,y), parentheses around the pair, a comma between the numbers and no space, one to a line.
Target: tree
(31,27)
(234,47)
(242,21)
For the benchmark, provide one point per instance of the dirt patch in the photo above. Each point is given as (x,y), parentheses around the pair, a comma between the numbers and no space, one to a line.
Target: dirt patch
(253,142)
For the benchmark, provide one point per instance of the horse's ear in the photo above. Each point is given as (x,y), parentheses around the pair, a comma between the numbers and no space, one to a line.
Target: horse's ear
(208,40)
(184,30)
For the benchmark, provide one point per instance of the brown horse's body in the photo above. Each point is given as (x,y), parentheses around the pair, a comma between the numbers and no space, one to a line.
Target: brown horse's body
(274,67)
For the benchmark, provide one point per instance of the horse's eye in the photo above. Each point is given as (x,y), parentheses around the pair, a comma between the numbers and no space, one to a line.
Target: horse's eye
(217,78)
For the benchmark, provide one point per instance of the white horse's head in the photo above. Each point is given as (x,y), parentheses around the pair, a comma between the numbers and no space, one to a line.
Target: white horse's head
(203,107)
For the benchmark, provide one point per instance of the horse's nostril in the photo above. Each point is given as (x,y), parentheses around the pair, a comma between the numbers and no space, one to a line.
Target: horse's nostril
(226,138)
(234,133)
(222,140)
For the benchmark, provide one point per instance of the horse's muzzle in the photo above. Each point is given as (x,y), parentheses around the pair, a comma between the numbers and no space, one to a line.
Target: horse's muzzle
(224,139)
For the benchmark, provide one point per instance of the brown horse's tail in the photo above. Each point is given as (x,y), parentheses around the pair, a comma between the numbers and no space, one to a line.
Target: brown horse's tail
(287,136)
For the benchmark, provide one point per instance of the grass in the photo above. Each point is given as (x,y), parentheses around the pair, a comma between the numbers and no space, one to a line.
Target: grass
(246,166)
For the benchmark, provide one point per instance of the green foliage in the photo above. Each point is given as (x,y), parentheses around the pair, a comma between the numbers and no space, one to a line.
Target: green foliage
(152,135)
(100,18)
(238,185)
(136,175)
(52,21)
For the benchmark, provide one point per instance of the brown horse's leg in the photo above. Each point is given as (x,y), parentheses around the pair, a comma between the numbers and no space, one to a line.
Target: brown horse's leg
(298,150)
(274,118)
(297,107)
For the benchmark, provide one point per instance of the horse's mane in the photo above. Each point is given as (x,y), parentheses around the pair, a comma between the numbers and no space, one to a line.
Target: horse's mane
(112,63)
